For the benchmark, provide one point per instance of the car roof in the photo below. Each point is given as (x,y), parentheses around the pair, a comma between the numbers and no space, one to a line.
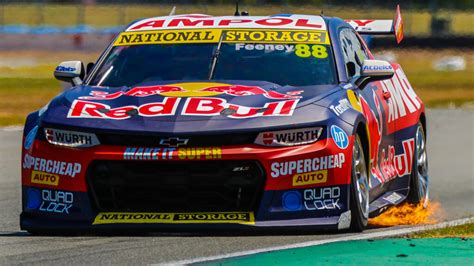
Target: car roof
(200,21)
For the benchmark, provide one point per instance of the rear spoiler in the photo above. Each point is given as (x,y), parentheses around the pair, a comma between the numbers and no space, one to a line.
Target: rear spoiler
(380,27)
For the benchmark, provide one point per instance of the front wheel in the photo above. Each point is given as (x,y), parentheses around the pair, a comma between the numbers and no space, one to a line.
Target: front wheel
(419,180)
(359,201)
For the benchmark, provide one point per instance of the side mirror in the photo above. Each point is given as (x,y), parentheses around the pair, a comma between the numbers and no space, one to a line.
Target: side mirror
(374,70)
(70,71)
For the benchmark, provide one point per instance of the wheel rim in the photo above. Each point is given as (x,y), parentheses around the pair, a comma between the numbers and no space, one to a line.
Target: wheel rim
(422,166)
(360,176)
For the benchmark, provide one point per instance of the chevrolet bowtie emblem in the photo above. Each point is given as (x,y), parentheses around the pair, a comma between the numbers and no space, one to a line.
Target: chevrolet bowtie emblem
(174,142)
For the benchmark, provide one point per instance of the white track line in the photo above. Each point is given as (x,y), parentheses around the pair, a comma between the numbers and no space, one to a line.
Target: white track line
(361,236)
(11,128)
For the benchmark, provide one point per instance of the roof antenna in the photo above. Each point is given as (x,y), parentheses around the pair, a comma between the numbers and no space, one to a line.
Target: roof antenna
(173,11)
(237,13)
(322,12)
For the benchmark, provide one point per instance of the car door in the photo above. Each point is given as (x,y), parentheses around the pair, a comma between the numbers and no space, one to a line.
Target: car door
(373,99)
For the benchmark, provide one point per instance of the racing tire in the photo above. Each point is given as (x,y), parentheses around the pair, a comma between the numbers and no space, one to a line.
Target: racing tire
(359,188)
(419,179)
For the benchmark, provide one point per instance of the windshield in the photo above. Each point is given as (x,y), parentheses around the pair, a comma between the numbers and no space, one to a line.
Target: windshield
(280,63)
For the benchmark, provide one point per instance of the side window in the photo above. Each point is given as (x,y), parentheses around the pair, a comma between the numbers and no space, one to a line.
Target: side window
(353,51)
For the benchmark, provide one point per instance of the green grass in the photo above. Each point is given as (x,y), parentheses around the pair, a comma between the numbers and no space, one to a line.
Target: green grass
(416,22)
(20,96)
(466,230)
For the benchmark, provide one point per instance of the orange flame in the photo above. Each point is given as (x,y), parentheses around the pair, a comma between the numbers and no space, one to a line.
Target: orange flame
(408,214)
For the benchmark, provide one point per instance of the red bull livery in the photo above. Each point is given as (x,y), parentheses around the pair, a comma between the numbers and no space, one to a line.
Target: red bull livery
(202,122)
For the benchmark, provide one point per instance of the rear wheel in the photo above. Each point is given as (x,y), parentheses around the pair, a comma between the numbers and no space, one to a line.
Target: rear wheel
(359,201)
(419,180)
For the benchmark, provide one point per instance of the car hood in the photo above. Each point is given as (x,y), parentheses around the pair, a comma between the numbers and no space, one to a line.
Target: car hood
(173,107)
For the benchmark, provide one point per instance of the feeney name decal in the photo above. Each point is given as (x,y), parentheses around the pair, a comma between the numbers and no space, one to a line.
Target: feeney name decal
(307,165)
(176,218)
(214,35)
(205,153)
(196,106)
(51,166)
(44,178)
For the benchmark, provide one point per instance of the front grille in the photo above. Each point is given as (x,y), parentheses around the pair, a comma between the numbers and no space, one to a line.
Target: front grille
(146,140)
(190,186)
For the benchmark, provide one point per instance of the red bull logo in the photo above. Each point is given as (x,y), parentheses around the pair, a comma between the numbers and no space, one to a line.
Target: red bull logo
(193,106)
(194,90)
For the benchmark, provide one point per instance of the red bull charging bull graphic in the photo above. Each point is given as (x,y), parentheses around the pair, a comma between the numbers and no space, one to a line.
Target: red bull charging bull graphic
(198,102)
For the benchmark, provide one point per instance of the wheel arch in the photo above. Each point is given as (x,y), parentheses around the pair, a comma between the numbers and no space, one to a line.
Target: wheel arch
(423,122)
(362,131)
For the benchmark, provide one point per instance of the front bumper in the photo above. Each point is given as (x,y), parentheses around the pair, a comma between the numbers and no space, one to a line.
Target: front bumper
(306,185)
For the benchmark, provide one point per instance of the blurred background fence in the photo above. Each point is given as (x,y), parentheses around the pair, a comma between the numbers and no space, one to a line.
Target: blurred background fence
(422,17)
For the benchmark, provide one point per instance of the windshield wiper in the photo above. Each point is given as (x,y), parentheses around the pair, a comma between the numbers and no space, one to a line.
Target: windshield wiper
(215,58)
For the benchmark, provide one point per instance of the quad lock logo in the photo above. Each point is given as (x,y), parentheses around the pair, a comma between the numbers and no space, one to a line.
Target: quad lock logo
(322,198)
(313,199)
(50,200)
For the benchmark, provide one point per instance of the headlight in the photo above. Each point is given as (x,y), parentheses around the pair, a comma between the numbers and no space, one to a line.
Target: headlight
(71,139)
(291,137)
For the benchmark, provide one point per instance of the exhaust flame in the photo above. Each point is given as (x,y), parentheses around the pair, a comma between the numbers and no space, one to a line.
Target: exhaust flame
(408,214)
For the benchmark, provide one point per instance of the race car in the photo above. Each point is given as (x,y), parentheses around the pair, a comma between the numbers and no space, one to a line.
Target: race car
(234,122)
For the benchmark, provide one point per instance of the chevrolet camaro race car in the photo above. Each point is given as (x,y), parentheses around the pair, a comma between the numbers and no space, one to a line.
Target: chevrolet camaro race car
(202,122)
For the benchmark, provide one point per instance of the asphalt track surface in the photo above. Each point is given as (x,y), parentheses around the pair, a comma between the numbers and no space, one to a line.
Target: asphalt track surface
(451,151)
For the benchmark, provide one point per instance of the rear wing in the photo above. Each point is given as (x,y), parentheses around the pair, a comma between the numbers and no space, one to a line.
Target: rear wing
(380,27)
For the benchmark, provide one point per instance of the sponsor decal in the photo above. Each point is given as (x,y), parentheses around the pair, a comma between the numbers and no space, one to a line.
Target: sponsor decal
(174,218)
(291,200)
(70,138)
(307,165)
(174,142)
(65,69)
(394,165)
(310,178)
(200,153)
(168,37)
(322,198)
(56,201)
(374,128)
(214,35)
(393,198)
(403,101)
(273,36)
(33,198)
(343,106)
(376,68)
(38,177)
(193,89)
(196,106)
(205,21)
(30,138)
(288,137)
(51,166)
(339,137)
(50,200)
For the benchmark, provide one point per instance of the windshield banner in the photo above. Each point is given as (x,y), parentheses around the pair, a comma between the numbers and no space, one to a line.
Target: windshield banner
(227,35)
